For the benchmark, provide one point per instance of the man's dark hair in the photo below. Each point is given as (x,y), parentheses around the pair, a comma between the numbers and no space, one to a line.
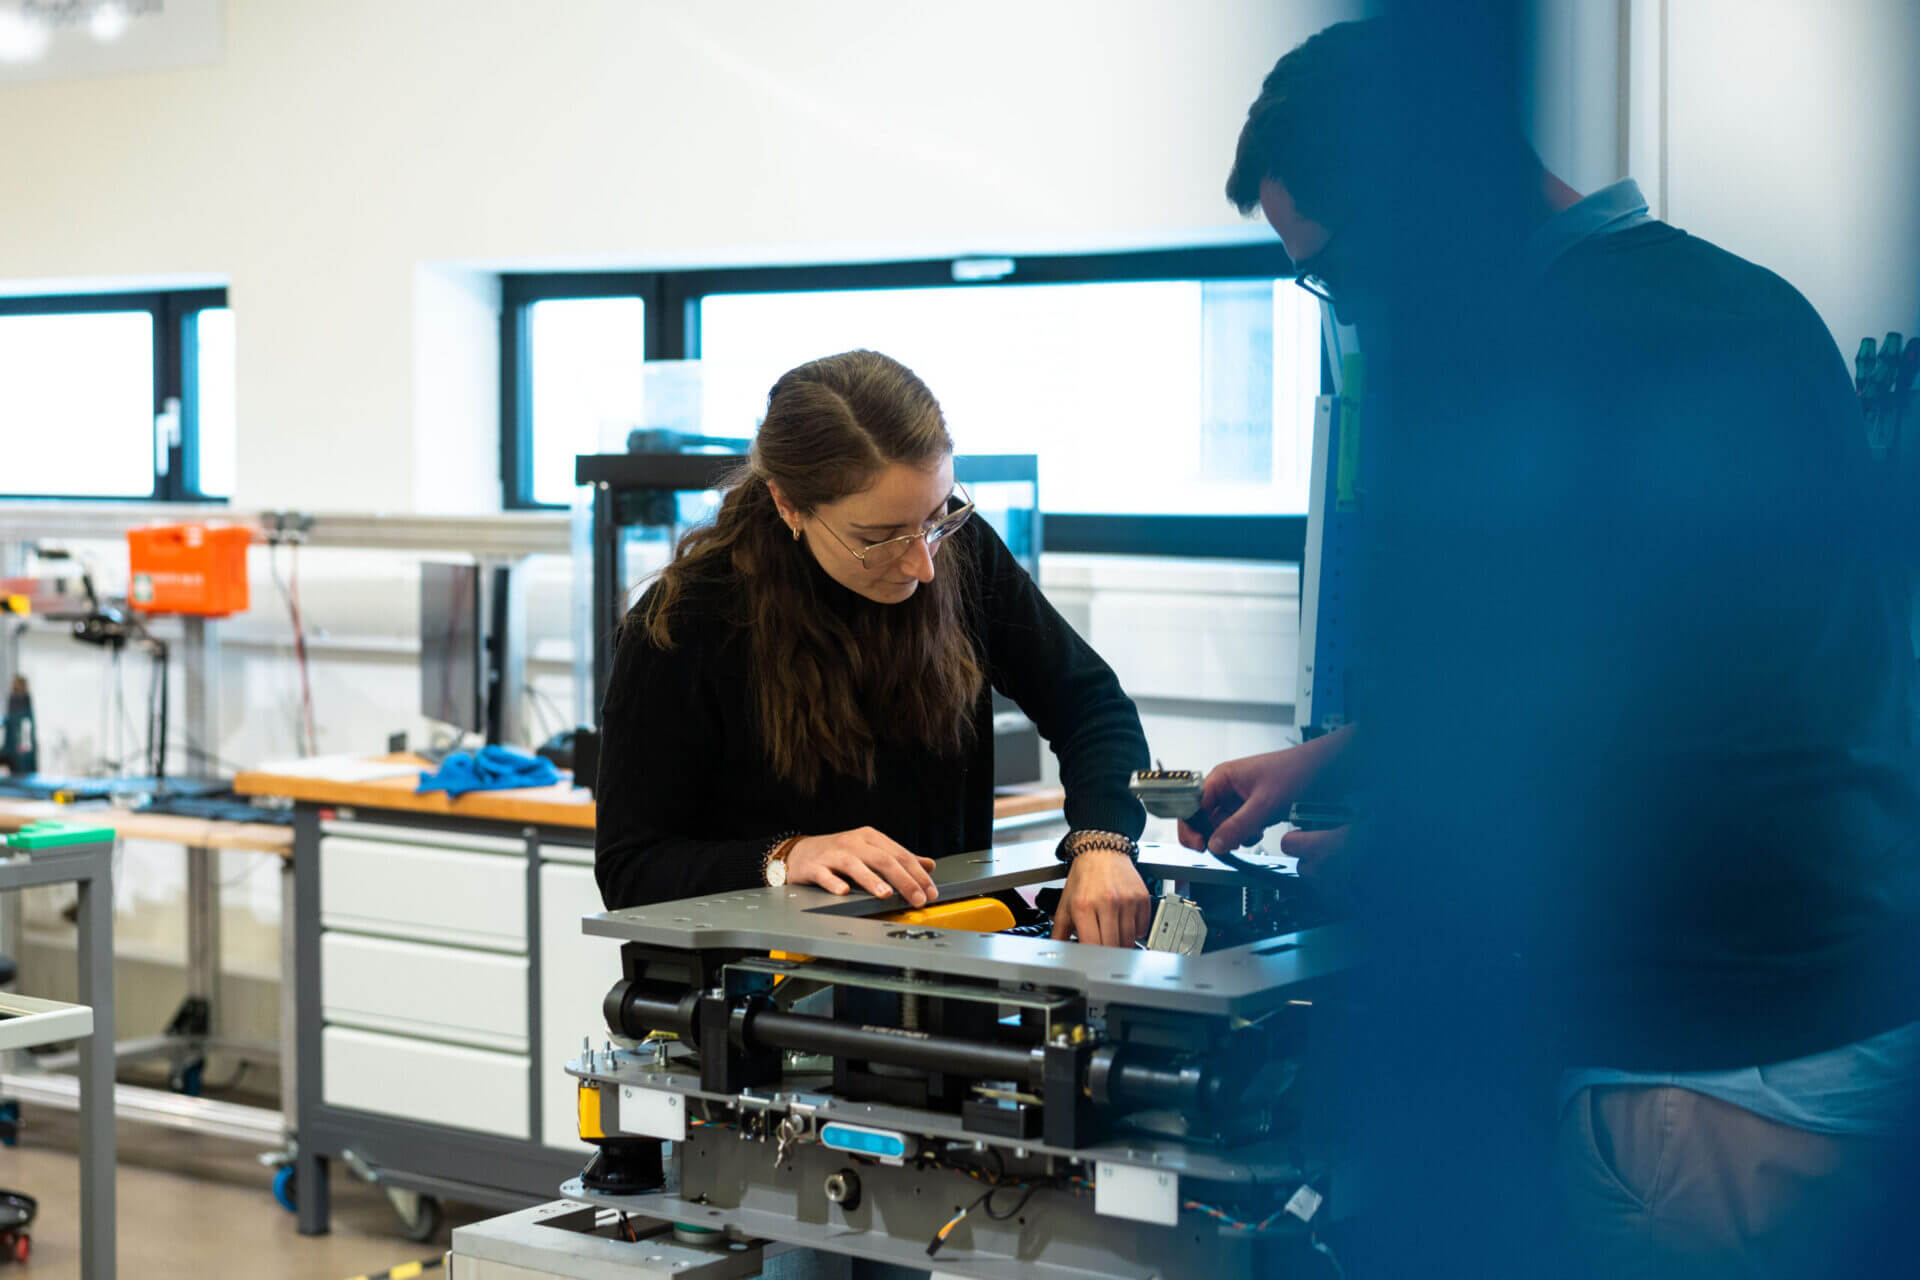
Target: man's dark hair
(1302,129)
(1323,125)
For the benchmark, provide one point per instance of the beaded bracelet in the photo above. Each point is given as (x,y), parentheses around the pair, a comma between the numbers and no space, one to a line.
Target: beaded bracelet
(1076,843)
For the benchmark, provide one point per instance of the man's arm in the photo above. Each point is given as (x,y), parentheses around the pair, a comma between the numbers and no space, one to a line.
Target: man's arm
(1242,798)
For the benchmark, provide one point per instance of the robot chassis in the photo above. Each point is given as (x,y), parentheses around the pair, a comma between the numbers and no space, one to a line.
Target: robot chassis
(799,1071)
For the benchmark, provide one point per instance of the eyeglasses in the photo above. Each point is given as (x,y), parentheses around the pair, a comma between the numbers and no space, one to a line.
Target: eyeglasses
(1314,274)
(880,555)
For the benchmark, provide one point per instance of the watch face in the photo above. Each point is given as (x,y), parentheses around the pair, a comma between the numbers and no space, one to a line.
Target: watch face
(777,872)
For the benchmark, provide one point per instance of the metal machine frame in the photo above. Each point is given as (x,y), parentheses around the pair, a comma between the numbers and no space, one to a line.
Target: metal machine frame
(1100,1032)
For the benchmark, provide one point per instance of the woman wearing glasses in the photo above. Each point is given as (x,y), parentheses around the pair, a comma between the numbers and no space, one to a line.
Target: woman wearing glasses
(802,697)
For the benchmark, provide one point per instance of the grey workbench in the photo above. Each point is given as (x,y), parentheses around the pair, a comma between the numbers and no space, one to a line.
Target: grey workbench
(89,867)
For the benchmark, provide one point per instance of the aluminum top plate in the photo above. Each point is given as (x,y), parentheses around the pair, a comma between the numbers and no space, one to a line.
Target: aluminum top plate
(1242,980)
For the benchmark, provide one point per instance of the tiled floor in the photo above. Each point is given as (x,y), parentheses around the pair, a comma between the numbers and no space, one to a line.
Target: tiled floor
(197,1207)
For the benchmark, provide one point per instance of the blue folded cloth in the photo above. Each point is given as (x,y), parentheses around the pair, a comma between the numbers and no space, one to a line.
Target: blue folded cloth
(489,769)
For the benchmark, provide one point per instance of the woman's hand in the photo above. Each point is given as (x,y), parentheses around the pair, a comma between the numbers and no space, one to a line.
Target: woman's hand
(866,858)
(1105,901)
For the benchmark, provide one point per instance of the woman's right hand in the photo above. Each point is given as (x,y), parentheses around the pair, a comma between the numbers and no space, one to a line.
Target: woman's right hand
(865,858)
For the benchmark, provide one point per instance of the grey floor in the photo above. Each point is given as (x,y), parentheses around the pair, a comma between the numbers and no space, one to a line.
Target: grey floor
(193,1206)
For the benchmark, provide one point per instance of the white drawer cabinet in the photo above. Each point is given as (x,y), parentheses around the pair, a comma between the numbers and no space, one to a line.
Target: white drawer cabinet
(430,1083)
(575,974)
(440,993)
(469,897)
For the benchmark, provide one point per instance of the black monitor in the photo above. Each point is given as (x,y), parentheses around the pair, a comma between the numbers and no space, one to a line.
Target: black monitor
(452,660)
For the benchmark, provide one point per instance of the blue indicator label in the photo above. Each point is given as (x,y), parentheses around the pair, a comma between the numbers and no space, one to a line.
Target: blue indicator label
(866,1142)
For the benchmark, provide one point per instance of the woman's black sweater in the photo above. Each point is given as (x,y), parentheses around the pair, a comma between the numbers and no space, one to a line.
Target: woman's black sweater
(688,804)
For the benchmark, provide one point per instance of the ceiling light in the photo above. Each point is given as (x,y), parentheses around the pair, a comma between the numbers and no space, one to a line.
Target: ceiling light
(22,39)
(109,21)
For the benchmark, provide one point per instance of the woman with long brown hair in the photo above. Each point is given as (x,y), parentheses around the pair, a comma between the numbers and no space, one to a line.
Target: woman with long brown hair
(802,697)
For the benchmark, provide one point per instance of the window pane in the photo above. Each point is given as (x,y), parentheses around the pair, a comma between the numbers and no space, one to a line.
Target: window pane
(76,404)
(585,356)
(213,387)
(1175,397)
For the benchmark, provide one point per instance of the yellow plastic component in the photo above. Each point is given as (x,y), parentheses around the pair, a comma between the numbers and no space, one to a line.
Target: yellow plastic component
(972,915)
(591,1127)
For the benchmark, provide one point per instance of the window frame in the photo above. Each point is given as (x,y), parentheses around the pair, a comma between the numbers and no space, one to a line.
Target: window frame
(672,332)
(175,377)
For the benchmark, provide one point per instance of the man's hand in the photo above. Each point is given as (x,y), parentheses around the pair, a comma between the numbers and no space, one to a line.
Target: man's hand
(1316,850)
(868,859)
(1242,798)
(1105,901)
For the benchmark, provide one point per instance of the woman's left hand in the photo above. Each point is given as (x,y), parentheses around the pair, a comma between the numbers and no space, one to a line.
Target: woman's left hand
(1105,901)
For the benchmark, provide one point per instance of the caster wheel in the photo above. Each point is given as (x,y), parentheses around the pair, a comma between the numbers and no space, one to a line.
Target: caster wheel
(424,1223)
(188,1078)
(284,1189)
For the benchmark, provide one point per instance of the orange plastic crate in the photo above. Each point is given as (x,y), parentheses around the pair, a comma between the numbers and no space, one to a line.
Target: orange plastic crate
(188,568)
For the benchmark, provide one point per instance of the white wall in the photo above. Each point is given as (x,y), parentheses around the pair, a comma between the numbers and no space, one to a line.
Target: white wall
(1783,130)
(342,145)
(1793,139)
(1574,89)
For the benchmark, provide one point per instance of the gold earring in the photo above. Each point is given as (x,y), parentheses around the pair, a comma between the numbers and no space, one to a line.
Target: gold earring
(796,533)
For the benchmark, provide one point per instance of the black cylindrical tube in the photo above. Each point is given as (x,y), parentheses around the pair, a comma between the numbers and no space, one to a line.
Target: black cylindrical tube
(633,1010)
(1130,1079)
(892,1047)
(1133,1077)
(1141,1084)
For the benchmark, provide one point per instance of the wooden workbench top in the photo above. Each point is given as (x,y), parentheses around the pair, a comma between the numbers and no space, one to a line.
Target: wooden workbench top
(562,805)
(195,833)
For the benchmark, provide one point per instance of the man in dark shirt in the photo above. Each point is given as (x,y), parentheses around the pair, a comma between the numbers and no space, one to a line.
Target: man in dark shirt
(1664,671)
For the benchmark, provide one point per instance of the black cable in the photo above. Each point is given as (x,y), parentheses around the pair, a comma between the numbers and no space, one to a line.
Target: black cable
(203,756)
(996,1175)
(300,648)
(153,718)
(1018,1206)
(301,744)
(157,741)
(118,709)
(551,706)
(539,714)
(1254,871)
(1203,827)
